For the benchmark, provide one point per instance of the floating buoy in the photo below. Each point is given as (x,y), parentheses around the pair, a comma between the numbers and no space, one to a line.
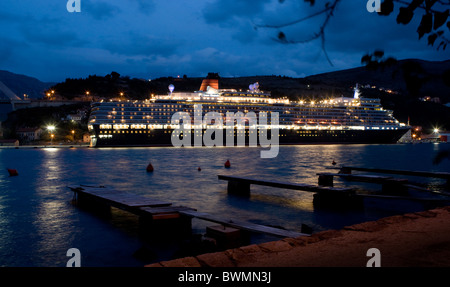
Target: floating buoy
(333,163)
(227,164)
(149,167)
(199,169)
(13,172)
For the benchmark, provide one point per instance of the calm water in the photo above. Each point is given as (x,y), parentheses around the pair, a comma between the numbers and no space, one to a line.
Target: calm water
(38,224)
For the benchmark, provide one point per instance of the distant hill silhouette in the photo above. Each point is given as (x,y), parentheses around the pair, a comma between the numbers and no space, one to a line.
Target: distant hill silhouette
(400,86)
(431,78)
(21,84)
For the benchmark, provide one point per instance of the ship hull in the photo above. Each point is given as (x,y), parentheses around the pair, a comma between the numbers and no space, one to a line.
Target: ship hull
(161,137)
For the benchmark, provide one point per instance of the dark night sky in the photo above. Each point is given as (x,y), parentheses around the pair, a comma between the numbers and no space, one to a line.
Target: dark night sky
(150,38)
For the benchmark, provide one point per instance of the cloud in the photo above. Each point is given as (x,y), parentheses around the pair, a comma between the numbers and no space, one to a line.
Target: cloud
(193,38)
(222,11)
(145,6)
(49,31)
(8,48)
(142,45)
(99,10)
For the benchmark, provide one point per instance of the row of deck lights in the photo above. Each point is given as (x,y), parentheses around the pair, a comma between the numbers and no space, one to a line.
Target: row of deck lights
(88,93)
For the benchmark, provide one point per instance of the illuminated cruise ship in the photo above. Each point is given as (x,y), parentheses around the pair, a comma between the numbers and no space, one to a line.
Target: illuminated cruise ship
(150,122)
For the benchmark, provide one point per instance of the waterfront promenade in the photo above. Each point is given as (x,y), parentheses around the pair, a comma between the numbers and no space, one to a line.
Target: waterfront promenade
(46,146)
(420,239)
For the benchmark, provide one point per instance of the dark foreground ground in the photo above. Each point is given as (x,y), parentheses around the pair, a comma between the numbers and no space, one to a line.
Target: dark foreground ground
(419,239)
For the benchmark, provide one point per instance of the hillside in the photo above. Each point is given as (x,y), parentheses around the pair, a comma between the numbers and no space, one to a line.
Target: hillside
(21,84)
(400,86)
(411,77)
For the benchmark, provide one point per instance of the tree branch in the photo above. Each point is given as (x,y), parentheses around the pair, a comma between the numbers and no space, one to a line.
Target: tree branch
(329,10)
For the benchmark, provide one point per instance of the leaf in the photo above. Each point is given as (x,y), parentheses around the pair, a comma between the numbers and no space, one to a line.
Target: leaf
(425,25)
(282,37)
(415,3)
(378,54)
(386,7)
(432,38)
(429,4)
(405,15)
(440,18)
(366,59)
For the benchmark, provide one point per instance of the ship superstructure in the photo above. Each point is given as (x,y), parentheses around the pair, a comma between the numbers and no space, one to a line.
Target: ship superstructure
(150,122)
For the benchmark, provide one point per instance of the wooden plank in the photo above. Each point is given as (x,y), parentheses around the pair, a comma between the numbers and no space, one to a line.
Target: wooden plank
(404,198)
(295,186)
(243,225)
(118,199)
(135,201)
(166,216)
(357,177)
(168,209)
(445,175)
(444,193)
(368,176)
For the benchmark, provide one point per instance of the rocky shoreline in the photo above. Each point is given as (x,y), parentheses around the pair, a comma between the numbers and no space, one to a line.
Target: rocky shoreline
(420,239)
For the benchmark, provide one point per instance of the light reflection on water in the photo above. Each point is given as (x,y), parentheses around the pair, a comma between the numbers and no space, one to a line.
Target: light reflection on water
(38,224)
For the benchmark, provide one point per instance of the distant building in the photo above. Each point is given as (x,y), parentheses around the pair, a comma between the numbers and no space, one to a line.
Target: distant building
(74,117)
(77,117)
(436,100)
(86,138)
(10,142)
(29,134)
(444,136)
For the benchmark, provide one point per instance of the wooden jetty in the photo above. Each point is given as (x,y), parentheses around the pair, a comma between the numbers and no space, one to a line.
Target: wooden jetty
(242,225)
(324,195)
(328,196)
(152,213)
(121,200)
(241,185)
(442,175)
(389,184)
(156,213)
(392,188)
